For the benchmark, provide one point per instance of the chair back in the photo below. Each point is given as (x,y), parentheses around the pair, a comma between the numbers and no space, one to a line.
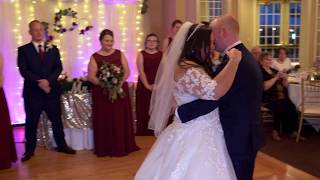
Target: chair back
(310,97)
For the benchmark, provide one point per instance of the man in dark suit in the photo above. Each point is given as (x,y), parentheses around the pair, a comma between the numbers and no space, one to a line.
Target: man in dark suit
(240,107)
(40,66)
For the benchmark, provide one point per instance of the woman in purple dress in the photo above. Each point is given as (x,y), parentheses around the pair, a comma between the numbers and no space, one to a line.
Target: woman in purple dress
(112,121)
(7,147)
(147,62)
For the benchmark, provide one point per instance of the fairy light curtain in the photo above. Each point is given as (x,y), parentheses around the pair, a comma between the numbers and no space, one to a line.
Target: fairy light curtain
(121,16)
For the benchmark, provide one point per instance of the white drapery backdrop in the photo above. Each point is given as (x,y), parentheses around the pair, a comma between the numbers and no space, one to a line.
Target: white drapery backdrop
(123,19)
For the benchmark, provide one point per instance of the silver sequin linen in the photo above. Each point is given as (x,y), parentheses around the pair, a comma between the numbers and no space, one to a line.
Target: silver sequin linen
(76,110)
(76,113)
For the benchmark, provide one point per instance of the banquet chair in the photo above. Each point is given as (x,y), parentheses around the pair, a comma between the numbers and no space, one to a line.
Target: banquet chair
(310,103)
(266,114)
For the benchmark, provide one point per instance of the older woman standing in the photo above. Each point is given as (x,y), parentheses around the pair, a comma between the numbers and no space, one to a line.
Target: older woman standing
(8,150)
(147,62)
(112,120)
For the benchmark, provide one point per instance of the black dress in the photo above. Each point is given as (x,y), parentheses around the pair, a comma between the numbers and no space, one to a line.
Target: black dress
(285,115)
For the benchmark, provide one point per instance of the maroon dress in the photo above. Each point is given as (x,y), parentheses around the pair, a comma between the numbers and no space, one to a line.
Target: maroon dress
(112,121)
(150,63)
(7,147)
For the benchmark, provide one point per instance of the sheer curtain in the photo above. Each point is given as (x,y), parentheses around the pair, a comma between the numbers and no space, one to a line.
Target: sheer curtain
(123,19)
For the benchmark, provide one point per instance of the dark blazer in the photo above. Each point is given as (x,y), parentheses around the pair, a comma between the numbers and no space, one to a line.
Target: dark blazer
(32,69)
(239,108)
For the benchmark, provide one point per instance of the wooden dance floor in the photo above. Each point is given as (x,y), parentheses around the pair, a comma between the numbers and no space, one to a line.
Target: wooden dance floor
(47,164)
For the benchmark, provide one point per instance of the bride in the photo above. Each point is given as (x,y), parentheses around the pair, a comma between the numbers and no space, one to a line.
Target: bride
(195,150)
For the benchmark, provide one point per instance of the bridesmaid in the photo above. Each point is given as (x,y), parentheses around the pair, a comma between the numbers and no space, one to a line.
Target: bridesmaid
(7,147)
(112,121)
(175,26)
(147,62)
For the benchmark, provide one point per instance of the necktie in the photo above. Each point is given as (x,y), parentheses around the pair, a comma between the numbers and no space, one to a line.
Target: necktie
(41,52)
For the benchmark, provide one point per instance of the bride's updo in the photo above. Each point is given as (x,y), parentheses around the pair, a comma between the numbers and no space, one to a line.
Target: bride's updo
(197,48)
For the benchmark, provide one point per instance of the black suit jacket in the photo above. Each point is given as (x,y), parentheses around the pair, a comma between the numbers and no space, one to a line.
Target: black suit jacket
(33,69)
(239,108)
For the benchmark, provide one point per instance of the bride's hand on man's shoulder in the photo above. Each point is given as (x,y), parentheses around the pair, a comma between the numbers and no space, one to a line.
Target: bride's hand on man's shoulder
(234,55)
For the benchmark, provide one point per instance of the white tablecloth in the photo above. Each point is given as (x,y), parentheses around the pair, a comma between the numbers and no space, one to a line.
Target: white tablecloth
(295,94)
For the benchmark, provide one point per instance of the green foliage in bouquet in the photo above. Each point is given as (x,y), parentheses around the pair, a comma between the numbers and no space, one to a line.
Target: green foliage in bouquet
(111,79)
(67,85)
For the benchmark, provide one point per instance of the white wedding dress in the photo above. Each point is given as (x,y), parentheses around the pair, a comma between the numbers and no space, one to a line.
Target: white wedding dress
(194,150)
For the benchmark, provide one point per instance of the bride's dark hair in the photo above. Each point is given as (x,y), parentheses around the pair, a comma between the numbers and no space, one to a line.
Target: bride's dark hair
(197,48)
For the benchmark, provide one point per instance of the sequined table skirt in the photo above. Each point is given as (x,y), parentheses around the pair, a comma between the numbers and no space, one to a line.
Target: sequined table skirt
(76,118)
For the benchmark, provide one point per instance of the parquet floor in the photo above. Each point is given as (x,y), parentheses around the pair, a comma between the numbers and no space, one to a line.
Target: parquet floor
(47,164)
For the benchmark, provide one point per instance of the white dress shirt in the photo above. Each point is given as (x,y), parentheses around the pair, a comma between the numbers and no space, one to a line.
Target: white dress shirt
(36,45)
(230,47)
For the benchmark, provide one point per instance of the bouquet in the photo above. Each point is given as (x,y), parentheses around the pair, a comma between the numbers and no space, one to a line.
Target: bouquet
(110,78)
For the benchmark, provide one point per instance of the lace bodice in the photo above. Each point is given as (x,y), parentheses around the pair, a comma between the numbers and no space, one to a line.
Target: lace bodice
(194,84)
(187,151)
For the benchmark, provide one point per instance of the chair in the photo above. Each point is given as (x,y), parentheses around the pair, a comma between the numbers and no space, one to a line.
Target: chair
(310,103)
(266,114)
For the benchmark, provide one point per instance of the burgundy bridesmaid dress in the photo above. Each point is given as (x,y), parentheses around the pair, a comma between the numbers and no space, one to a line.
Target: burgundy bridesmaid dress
(112,121)
(150,63)
(7,146)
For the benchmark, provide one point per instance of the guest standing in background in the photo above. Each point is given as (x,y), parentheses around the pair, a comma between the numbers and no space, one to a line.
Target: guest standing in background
(283,63)
(276,99)
(112,121)
(256,52)
(7,146)
(40,66)
(175,26)
(147,62)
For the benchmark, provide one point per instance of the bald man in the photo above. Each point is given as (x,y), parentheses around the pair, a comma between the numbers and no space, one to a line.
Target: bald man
(240,108)
(40,67)
(256,52)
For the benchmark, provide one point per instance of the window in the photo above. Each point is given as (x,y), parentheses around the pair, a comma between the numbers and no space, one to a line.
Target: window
(209,9)
(279,25)
(269,26)
(294,30)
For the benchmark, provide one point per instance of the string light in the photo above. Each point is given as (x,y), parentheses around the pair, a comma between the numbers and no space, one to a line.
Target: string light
(131,39)
(80,38)
(123,24)
(140,34)
(58,39)
(101,14)
(64,23)
(17,27)
(31,11)
(19,113)
(85,41)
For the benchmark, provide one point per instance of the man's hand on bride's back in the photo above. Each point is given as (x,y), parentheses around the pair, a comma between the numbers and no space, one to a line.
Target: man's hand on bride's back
(234,55)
